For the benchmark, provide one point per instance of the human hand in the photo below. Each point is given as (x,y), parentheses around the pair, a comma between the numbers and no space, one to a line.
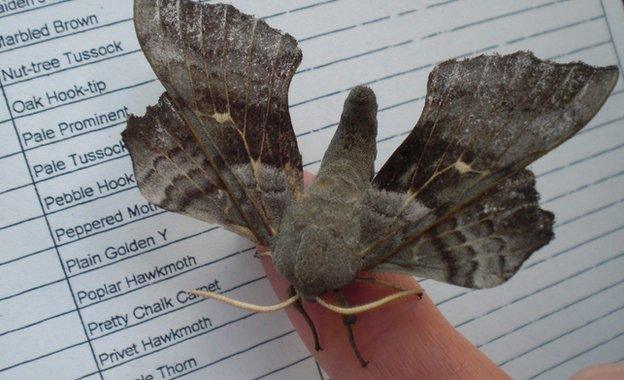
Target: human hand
(405,339)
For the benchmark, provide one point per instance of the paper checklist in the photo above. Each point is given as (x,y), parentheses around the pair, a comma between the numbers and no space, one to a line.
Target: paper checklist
(93,277)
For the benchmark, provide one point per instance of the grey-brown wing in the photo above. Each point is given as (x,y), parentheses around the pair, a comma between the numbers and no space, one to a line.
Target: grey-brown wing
(219,145)
(484,120)
(485,243)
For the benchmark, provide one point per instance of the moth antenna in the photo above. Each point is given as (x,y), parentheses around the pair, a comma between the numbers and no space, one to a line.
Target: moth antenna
(244,305)
(369,306)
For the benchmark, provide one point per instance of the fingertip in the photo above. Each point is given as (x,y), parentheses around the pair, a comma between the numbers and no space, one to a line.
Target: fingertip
(407,338)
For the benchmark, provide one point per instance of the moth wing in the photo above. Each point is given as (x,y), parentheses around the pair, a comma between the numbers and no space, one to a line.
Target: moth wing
(485,243)
(484,120)
(219,145)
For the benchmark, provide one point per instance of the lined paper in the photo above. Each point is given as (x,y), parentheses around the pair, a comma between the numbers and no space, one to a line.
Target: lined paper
(92,277)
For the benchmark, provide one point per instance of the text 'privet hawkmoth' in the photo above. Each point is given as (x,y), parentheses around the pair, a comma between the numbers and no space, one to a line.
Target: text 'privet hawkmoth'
(453,203)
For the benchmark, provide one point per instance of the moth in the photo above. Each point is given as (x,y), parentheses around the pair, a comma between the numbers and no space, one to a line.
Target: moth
(453,203)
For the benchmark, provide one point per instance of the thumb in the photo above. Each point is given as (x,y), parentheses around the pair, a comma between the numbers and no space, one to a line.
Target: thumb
(610,371)
(408,338)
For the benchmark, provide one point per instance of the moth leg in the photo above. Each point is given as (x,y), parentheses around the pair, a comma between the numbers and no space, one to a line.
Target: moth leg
(259,255)
(375,281)
(298,305)
(349,321)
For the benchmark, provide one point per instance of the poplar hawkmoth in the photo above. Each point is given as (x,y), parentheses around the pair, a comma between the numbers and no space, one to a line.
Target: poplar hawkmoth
(454,203)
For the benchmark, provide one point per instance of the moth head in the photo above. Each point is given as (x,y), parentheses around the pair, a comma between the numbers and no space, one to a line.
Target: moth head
(316,262)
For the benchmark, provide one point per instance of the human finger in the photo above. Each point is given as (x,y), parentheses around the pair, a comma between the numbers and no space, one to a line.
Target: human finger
(408,338)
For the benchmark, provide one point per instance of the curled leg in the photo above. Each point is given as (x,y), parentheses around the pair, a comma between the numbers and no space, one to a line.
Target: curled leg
(376,281)
(259,255)
(298,305)
(349,321)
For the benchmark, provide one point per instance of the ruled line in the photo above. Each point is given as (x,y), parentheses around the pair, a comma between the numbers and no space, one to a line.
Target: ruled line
(236,353)
(34,9)
(85,30)
(550,313)
(615,50)
(47,74)
(283,367)
(493,18)
(579,354)
(567,332)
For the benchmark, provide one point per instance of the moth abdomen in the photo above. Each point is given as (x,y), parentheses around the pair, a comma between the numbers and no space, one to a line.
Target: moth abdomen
(319,233)
(354,142)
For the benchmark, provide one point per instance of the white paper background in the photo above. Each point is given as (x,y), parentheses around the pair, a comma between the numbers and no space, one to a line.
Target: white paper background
(563,311)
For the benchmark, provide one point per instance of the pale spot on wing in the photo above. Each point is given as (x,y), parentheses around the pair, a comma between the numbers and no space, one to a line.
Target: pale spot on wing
(222,117)
(462,167)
